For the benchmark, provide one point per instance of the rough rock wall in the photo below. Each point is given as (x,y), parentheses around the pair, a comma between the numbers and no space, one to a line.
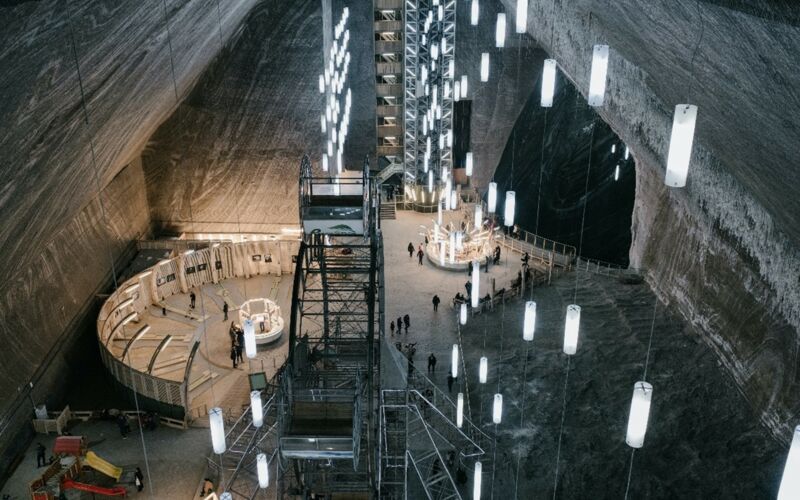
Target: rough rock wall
(56,245)
(723,249)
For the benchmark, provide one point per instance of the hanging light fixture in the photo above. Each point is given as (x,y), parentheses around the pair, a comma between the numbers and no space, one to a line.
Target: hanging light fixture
(460,410)
(500,31)
(483,370)
(478,216)
(323,123)
(530,321)
(476,481)
(790,482)
(509,208)
(454,360)
(256,408)
(548,83)
(613,148)
(217,430)
(571,327)
(468,164)
(474,13)
(497,409)
(484,68)
(464,86)
(451,69)
(640,412)
(249,338)
(616,173)
(462,317)
(441,253)
(430,183)
(457,91)
(522,15)
(452,247)
(627,152)
(321,84)
(476,283)
(597,80)
(492,198)
(263,470)
(680,145)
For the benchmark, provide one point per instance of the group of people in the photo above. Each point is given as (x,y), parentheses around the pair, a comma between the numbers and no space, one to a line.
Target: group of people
(236,334)
(420,251)
(401,322)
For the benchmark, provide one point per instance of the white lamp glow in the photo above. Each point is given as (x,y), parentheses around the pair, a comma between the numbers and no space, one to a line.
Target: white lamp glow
(452,258)
(256,408)
(492,198)
(548,83)
(640,413)
(457,91)
(460,410)
(324,162)
(529,325)
(497,409)
(454,361)
(790,482)
(571,327)
(476,481)
(522,15)
(263,470)
(616,173)
(323,123)
(321,84)
(464,86)
(484,69)
(217,430)
(476,282)
(474,13)
(483,370)
(462,317)
(478,216)
(468,164)
(500,31)
(680,145)
(249,338)
(509,208)
(597,80)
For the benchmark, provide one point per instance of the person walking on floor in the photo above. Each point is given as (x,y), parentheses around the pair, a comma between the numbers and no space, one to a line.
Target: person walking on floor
(225,311)
(138,479)
(410,249)
(420,254)
(233,355)
(41,460)
(431,363)
(436,301)
(192,298)
(239,345)
(450,381)
(407,321)
(468,287)
(400,325)
(391,327)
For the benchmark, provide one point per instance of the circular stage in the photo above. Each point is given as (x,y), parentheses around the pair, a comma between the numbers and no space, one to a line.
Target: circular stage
(266,317)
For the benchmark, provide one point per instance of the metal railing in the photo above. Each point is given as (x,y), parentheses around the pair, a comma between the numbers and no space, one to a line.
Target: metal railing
(601,267)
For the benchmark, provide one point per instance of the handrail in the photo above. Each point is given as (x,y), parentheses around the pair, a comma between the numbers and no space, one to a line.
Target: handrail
(445,469)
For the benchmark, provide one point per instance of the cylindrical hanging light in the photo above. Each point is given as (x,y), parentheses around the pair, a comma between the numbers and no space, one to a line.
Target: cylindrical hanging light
(571,326)
(497,409)
(454,361)
(441,253)
(453,199)
(262,467)
(483,370)
(640,413)
(476,283)
(509,208)
(256,409)
(522,15)
(478,216)
(500,31)
(459,240)
(462,317)
(790,482)
(323,123)
(249,338)
(492,198)
(451,69)
(468,163)
(438,211)
(452,259)
(548,83)
(484,68)
(457,91)
(321,84)
(474,13)
(597,80)
(460,410)
(430,181)
(680,145)
(476,481)
(616,173)
(464,86)
(217,426)
(529,325)
(627,152)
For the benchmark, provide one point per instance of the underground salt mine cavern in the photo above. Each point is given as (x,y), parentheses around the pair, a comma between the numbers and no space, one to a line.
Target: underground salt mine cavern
(400,249)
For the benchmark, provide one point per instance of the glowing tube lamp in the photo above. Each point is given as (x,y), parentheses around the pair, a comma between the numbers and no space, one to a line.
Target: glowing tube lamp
(430,181)
(492,198)
(452,259)
(474,13)
(454,361)
(457,91)
(790,483)
(476,481)
(522,15)
(597,80)
(321,84)
(530,321)
(627,152)
(616,173)
(323,123)
(571,326)
(509,208)
(548,83)
(249,338)
(324,162)
(680,145)
(441,253)
(217,430)
(478,216)
(483,370)
(263,470)
(500,31)
(462,317)
(460,410)
(468,163)
(476,282)
(484,69)
(464,86)
(640,412)
(256,408)
(497,409)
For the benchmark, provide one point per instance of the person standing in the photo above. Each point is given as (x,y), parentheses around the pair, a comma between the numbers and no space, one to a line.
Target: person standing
(192,298)
(410,250)
(122,423)
(407,321)
(41,460)
(400,325)
(420,253)
(391,327)
(138,479)
(225,311)
(468,287)
(431,363)
(239,345)
(436,301)
(233,355)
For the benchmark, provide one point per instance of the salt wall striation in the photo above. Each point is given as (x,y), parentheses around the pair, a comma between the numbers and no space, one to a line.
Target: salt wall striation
(723,250)
(63,220)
